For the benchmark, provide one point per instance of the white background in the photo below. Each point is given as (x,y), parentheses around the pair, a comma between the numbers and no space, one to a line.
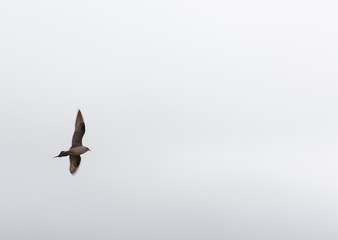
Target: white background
(206,119)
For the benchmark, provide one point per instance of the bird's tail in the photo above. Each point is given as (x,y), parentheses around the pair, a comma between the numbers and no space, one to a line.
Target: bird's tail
(63,154)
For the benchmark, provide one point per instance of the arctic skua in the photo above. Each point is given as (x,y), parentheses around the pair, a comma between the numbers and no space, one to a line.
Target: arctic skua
(77,148)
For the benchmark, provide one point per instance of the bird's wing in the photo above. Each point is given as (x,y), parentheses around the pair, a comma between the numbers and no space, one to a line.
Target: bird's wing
(74,163)
(80,129)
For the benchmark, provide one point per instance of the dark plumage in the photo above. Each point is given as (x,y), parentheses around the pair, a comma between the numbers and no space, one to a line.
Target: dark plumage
(76,149)
(80,129)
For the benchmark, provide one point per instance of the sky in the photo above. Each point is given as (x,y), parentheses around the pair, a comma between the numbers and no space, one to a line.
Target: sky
(206,119)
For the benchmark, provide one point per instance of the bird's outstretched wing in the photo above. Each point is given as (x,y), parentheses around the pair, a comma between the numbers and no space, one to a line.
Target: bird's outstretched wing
(74,163)
(80,130)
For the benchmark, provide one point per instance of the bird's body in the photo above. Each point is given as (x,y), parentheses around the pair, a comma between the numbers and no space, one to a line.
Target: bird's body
(76,149)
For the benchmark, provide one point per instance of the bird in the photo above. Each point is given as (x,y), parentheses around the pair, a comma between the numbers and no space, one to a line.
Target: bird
(77,148)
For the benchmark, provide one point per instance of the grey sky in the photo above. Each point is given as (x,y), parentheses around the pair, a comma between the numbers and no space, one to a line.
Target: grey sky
(206,119)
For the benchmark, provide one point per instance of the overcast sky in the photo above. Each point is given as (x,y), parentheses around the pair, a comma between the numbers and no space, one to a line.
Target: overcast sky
(206,119)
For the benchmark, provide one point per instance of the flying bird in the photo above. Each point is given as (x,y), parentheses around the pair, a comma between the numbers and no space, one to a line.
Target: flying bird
(77,148)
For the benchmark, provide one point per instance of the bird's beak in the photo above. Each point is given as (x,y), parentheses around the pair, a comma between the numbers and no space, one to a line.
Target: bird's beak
(55,157)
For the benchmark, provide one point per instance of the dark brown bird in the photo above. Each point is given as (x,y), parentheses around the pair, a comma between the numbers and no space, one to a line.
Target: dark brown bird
(76,149)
